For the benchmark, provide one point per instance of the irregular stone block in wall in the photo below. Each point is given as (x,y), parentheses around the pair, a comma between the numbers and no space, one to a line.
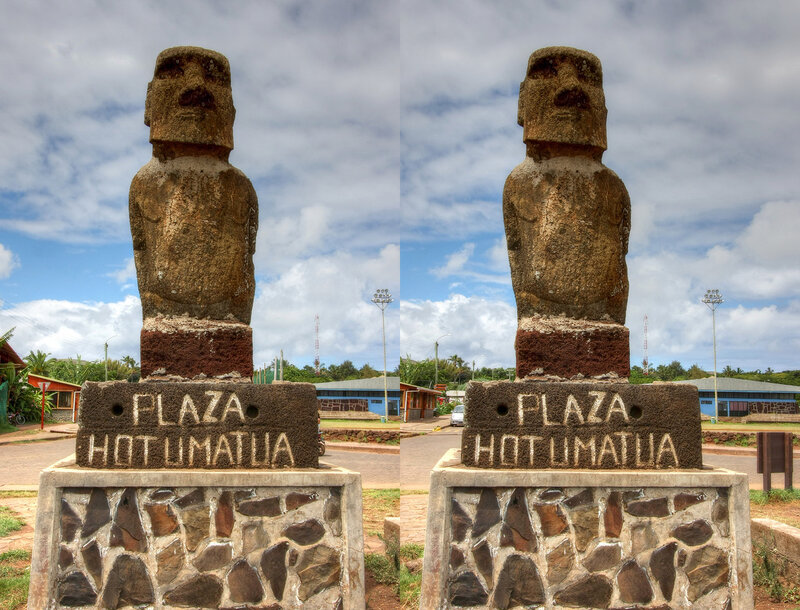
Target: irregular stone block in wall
(197,425)
(539,425)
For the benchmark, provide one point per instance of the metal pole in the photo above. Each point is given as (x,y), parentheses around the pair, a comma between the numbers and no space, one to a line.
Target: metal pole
(436,363)
(105,363)
(385,380)
(713,299)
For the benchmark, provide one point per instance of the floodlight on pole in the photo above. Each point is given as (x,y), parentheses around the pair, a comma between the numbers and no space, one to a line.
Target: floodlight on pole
(714,299)
(382,298)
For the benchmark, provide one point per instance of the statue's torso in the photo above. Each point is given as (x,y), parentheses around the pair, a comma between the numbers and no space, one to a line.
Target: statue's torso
(193,221)
(567,223)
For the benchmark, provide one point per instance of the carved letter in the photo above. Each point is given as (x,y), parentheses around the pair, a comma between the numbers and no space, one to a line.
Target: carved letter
(137,409)
(215,395)
(662,449)
(619,408)
(188,407)
(233,406)
(253,451)
(145,442)
(104,450)
(572,407)
(639,461)
(219,450)
(531,440)
(282,444)
(580,446)
(116,450)
(179,461)
(479,449)
(544,413)
(553,461)
(161,420)
(238,434)
(503,440)
(598,400)
(623,437)
(206,444)
(607,448)
(521,406)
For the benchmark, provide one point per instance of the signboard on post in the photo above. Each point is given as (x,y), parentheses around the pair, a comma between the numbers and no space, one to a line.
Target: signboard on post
(775,454)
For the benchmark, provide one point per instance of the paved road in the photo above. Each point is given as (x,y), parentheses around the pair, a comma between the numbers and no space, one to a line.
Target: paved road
(20,464)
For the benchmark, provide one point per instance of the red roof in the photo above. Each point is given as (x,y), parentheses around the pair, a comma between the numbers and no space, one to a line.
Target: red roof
(7,354)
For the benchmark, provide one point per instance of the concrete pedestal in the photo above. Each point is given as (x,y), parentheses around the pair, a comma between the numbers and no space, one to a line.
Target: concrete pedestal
(587,538)
(197,538)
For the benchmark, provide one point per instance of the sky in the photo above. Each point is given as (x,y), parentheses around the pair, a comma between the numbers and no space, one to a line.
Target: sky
(378,137)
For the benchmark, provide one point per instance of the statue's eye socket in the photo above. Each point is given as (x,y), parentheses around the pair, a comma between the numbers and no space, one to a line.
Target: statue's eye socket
(170,68)
(589,73)
(216,72)
(543,68)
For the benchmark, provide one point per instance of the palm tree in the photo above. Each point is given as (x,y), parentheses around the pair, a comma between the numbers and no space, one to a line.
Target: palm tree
(38,363)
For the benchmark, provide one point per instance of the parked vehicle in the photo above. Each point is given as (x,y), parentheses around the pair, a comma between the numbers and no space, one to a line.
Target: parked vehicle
(16,419)
(457,416)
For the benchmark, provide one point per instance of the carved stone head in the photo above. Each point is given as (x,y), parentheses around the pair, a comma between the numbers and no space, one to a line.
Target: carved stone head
(189,99)
(561,100)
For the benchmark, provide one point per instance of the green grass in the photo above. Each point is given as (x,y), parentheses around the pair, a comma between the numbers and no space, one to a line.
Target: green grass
(754,427)
(358,424)
(14,578)
(9,522)
(775,495)
(19,493)
(769,574)
(389,569)
(5,428)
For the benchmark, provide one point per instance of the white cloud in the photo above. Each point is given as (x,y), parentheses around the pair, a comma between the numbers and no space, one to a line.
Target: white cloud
(8,262)
(479,329)
(455,262)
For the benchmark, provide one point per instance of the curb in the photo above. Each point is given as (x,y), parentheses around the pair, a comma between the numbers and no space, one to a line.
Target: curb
(362,447)
(57,436)
(740,451)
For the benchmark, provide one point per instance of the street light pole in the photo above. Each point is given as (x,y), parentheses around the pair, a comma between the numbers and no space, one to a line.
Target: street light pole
(382,298)
(713,299)
(436,359)
(105,361)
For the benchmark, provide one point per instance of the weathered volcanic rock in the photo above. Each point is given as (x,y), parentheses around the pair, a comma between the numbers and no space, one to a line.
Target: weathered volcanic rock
(70,522)
(127,530)
(128,584)
(253,537)
(592,591)
(656,507)
(332,512)
(559,562)
(97,513)
(465,589)
(223,516)
(482,554)
(263,507)
(706,569)
(65,558)
(585,522)
(169,562)
(213,556)
(318,568)
(580,499)
(693,534)
(517,530)
(552,518)
(456,557)
(719,514)
(162,495)
(273,564)
(460,523)
(551,495)
(305,533)
(642,538)
(202,591)
(74,590)
(604,556)
(194,497)
(634,587)
(244,584)
(612,517)
(296,500)
(196,522)
(518,584)
(683,501)
(487,513)
(662,565)
(163,520)
(93,560)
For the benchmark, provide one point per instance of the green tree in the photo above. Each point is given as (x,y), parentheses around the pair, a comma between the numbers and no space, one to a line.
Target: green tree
(345,370)
(671,371)
(695,372)
(38,363)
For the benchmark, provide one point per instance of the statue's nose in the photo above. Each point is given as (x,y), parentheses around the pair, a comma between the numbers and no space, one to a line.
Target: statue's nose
(195,93)
(571,93)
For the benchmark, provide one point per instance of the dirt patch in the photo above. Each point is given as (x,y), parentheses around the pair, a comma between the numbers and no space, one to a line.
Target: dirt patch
(785,512)
(367,436)
(378,596)
(762,601)
(737,439)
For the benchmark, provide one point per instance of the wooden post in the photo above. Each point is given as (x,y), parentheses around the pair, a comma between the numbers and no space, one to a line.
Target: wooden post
(763,457)
(788,460)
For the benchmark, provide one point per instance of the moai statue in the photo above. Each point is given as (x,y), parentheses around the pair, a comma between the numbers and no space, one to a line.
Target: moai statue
(567,220)
(194,219)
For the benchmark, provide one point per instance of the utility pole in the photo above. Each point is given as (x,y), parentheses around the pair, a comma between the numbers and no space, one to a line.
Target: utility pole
(713,299)
(105,360)
(436,359)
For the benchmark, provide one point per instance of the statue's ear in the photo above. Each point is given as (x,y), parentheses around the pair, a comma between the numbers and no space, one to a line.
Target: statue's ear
(521,105)
(147,104)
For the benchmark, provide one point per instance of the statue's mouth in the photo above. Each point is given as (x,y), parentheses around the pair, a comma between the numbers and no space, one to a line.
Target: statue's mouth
(199,97)
(572,98)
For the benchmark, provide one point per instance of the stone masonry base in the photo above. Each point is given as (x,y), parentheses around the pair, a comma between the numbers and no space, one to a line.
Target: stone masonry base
(587,539)
(200,539)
